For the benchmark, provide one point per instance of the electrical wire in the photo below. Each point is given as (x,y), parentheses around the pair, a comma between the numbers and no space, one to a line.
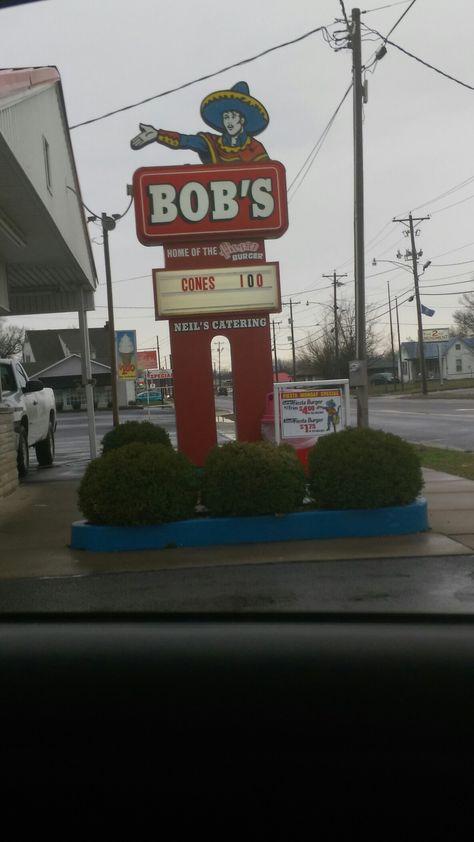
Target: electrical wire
(98,216)
(386,40)
(448,192)
(341,3)
(200,79)
(401,17)
(316,148)
(455,292)
(379,8)
(459,248)
(453,205)
(459,263)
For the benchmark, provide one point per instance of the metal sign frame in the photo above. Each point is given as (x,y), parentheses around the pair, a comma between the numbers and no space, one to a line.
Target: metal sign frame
(308,385)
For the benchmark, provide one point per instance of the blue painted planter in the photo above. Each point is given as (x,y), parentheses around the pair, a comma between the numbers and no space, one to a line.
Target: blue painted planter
(297,526)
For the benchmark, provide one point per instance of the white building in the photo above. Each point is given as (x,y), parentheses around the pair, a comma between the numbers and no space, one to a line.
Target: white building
(46,262)
(454,358)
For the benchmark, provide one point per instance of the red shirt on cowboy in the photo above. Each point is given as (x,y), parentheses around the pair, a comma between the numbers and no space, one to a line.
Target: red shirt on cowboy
(235,113)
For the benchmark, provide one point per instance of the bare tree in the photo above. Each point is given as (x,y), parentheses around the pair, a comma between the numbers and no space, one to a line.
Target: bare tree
(464,319)
(12,339)
(318,356)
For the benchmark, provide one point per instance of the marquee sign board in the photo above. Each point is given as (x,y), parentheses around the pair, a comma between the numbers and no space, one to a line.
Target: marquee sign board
(255,287)
(197,202)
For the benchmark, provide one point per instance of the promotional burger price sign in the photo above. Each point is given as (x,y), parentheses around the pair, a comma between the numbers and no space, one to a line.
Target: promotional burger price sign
(212,219)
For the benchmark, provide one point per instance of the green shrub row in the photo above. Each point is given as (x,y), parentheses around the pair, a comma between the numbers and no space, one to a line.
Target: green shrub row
(135,431)
(145,481)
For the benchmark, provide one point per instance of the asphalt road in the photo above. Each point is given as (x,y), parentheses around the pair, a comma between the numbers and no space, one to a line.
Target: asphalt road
(440,422)
(435,421)
(381,585)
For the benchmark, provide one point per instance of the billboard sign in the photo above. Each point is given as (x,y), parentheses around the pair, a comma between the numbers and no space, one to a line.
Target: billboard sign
(126,353)
(435,334)
(255,287)
(197,202)
(146,359)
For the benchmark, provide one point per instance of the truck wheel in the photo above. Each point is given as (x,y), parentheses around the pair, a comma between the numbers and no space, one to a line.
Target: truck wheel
(45,449)
(23,456)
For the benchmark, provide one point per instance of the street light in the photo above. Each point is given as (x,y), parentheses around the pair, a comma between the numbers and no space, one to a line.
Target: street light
(394,262)
(108,224)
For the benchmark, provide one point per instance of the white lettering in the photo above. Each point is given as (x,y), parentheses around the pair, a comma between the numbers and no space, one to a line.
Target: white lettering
(263,202)
(223,199)
(162,202)
(194,201)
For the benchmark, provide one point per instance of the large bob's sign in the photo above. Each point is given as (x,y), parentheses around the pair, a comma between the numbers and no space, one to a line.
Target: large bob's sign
(210,202)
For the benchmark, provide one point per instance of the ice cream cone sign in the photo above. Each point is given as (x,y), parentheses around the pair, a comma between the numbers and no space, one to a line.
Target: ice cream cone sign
(126,344)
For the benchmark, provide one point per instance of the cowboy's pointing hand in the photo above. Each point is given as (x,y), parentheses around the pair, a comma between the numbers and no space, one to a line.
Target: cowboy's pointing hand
(148,134)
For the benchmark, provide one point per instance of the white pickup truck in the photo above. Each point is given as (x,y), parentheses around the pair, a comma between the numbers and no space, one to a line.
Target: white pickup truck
(34,416)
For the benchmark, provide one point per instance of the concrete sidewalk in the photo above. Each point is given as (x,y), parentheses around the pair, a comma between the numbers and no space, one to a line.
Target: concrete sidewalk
(35,526)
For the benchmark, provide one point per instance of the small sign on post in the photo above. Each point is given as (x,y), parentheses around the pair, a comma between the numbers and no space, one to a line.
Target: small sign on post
(306,410)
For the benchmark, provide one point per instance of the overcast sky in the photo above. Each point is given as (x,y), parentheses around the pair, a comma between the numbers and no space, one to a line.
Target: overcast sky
(418,137)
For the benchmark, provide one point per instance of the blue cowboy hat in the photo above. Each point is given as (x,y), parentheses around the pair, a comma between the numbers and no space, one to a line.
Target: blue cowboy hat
(236,99)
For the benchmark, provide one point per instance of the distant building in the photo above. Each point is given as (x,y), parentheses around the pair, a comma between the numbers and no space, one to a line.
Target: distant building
(54,356)
(454,358)
(282,377)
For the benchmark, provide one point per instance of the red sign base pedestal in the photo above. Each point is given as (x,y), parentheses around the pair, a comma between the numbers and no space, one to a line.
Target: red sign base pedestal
(250,343)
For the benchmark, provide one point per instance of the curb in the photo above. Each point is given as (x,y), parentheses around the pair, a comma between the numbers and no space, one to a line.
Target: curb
(297,526)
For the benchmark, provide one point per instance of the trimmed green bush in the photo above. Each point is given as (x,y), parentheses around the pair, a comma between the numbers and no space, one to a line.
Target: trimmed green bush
(139,485)
(252,478)
(360,468)
(135,431)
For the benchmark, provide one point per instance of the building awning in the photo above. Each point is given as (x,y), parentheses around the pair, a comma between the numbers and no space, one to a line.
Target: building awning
(45,252)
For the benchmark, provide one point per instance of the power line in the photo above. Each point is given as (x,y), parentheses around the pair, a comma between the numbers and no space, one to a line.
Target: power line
(453,205)
(459,263)
(379,8)
(446,193)
(341,3)
(455,292)
(317,147)
(200,79)
(459,248)
(420,60)
(401,17)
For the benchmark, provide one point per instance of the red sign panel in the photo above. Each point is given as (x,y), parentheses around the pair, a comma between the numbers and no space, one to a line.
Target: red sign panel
(214,254)
(146,359)
(200,202)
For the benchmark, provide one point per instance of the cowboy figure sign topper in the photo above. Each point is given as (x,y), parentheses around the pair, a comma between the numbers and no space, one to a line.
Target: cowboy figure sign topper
(234,113)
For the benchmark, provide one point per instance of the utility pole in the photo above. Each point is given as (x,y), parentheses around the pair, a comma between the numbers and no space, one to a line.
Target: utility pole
(220,345)
(158,350)
(414,256)
(292,339)
(402,382)
(359,265)
(108,224)
(275,358)
(391,332)
(336,283)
